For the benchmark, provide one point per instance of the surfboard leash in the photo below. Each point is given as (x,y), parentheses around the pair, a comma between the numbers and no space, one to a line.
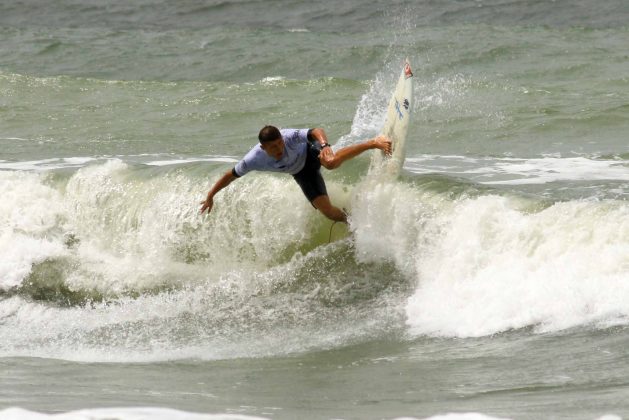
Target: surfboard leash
(330,236)
(335,222)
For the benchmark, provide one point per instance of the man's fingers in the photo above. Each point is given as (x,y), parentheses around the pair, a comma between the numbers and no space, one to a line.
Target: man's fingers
(384,144)
(205,206)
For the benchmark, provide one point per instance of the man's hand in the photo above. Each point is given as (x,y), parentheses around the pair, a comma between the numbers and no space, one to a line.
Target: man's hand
(326,157)
(224,181)
(207,205)
(383,143)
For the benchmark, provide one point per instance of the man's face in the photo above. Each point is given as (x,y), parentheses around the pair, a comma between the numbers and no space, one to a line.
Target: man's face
(274,148)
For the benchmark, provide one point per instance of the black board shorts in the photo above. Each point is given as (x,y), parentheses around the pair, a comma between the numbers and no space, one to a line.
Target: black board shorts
(309,178)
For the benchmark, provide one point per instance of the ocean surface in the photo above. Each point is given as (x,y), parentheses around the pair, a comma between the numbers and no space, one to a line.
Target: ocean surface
(490,280)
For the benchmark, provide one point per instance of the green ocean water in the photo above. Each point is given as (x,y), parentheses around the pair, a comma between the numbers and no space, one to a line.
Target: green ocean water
(491,278)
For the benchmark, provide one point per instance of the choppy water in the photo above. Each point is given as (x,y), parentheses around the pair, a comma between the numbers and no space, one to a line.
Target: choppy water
(492,277)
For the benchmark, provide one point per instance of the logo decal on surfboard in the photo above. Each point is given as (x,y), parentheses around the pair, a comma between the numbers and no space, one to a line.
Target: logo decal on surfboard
(399,111)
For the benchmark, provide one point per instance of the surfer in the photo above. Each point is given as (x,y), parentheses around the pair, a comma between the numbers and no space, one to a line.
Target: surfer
(301,153)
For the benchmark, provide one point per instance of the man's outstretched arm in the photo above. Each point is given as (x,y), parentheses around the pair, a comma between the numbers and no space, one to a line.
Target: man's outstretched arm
(332,160)
(224,181)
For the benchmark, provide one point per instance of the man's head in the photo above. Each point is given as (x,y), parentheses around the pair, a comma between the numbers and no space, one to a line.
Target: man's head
(271,141)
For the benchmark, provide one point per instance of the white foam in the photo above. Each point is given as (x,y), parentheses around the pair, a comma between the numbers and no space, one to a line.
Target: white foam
(518,171)
(457,416)
(378,235)
(81,161)
(29,210)
(481,265)
(120,414)
(494,267)
(479,416)
(154,413)
(273,80)
(14,138)
(119,236)
(46,164)
(224,159)
(490,264)
(19,253)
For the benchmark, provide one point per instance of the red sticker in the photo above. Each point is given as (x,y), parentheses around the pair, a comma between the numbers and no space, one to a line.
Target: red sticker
(407,70)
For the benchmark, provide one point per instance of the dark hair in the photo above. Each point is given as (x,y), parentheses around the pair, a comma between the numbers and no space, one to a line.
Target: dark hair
(269,133)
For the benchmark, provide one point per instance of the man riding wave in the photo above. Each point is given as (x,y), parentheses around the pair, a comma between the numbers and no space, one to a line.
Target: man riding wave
(301,153)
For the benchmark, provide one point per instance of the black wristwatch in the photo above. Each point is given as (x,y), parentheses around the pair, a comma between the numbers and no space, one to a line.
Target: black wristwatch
(324,145)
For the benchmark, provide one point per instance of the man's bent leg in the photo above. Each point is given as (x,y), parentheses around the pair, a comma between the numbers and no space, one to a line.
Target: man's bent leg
(323,204)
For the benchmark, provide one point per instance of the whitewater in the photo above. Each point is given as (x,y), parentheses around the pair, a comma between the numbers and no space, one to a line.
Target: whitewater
(488,281)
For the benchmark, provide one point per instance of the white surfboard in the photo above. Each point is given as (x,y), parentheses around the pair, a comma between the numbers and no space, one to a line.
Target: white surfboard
(396,126)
